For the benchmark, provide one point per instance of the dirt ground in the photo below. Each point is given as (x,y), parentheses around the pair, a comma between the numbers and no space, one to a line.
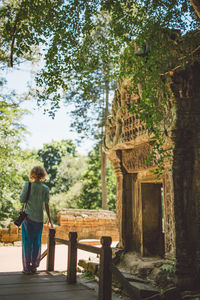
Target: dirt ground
(11,258)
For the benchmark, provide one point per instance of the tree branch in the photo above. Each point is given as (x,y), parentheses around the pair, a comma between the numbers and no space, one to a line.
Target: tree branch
(12,48)
(14,36)
(196,6)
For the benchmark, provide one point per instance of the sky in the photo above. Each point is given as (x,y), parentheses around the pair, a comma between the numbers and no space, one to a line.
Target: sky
(42,128)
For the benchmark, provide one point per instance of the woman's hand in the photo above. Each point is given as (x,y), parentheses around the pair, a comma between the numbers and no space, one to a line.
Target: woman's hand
(49,223)
(48,215)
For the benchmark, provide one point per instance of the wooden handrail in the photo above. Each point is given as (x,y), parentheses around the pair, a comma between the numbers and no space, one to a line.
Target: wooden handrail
(80,246)
(107,268)
(43,255)
(105,274)
(89,248)
(62,241)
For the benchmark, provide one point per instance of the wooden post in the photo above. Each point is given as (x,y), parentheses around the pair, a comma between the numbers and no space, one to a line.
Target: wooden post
(72,258)
(105,276)
(51,250)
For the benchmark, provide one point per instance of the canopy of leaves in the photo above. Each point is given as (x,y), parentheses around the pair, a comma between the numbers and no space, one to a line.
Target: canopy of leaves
(69,172)
(92,78)
(66,191)
(51,156)
(23,28)
(64,28)
(154,36)
(14,163)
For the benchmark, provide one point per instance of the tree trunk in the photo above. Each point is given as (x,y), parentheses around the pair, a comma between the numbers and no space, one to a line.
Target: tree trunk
(196,6)
(103,180)
(103,154)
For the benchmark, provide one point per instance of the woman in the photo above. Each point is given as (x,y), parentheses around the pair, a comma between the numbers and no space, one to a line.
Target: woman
(33,223)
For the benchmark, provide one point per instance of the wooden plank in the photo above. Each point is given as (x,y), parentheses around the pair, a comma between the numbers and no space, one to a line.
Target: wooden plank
(37,289)
(62,241)
(40,274)
(20,279)
(89,248)
(42,286)
(43,255)
(76,295)
(9,273)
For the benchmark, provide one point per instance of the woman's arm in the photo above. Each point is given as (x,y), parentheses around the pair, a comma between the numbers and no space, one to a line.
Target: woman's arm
(24,193)
(48,214)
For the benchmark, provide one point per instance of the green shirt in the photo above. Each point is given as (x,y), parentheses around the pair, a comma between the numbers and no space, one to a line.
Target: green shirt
(38,196)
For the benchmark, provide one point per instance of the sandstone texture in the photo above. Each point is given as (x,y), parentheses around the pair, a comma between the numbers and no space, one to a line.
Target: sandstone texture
(89,224)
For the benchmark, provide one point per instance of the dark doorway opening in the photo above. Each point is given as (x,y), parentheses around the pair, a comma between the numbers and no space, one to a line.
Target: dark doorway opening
(152,219)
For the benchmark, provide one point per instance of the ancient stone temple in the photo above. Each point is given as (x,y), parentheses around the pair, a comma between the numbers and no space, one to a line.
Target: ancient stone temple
(160,217)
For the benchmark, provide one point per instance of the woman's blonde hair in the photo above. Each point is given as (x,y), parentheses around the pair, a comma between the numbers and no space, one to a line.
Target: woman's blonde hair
(37,174)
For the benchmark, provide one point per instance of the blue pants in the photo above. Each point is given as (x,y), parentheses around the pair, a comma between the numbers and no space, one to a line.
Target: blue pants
(31,244)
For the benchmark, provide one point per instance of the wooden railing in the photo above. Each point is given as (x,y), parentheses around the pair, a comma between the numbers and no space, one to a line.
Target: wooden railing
(107,268)
(105,252)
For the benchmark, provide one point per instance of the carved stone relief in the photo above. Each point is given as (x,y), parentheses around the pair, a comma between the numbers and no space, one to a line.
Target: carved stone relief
(121,125)
(169,225)
(134,160)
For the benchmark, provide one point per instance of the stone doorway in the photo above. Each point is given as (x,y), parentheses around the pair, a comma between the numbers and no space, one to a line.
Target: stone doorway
(152,219)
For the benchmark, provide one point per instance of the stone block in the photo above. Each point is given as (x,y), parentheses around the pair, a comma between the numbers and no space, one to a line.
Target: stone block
(144,290)
(5,236)
(13,229)
(83,263)
(172,294)
(92,268)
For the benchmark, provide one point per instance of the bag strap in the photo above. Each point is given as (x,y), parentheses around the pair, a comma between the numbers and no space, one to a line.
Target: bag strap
(27,195)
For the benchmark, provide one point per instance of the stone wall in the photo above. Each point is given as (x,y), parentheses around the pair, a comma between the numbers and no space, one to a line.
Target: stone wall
(128,144)
(89,224)
(11,234)
(186,173)
(169,224)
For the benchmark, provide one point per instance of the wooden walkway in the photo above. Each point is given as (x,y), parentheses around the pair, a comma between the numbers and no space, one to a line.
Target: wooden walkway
(42,286)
